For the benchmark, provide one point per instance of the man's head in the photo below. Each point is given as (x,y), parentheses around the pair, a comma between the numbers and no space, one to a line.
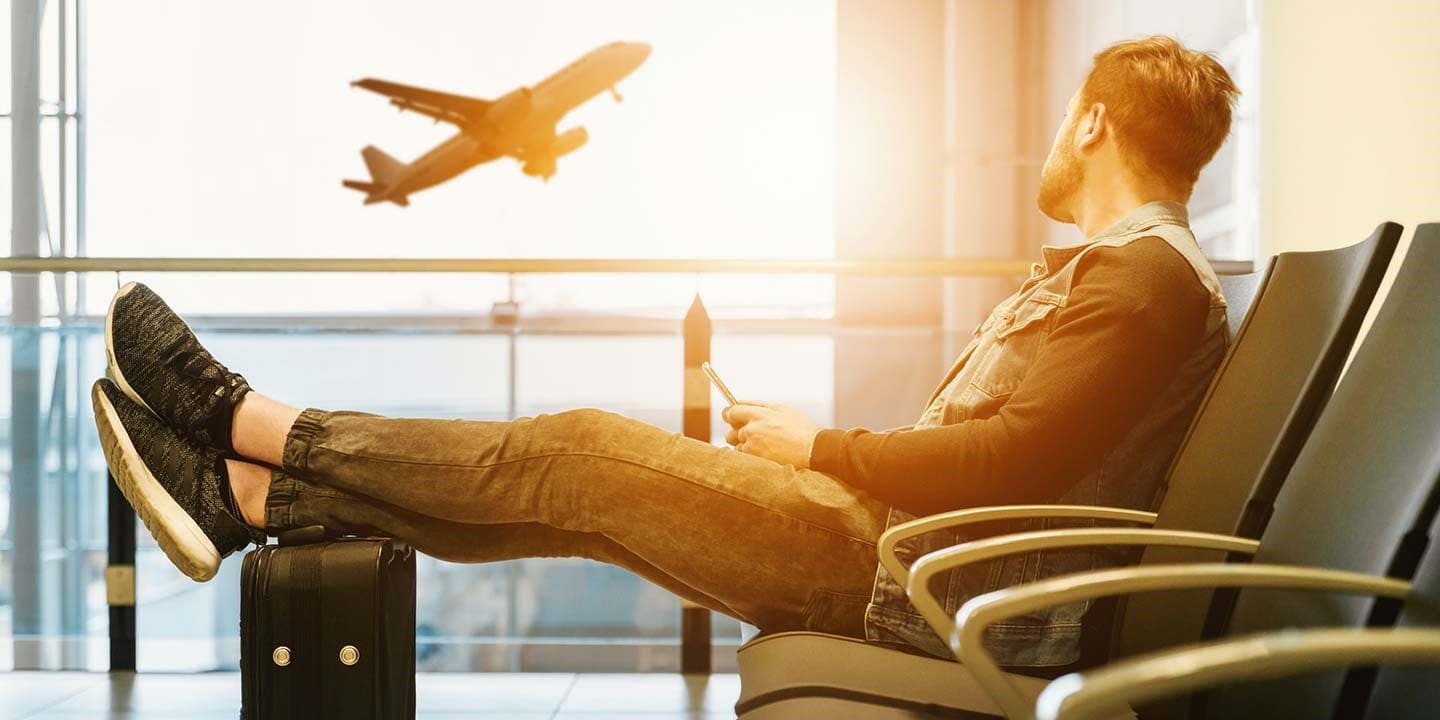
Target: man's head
(1150,115)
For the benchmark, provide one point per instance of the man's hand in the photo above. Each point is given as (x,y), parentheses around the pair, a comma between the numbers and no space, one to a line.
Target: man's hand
(771,431)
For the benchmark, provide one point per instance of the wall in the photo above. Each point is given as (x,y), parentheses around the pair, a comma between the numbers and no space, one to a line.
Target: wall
(995,145)
(1349,120)
(938,155)
(1077,29)
(888,204)
(945,113)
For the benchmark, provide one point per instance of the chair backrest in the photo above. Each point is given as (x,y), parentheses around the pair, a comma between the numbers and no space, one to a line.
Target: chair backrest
(1240,292)
(1412,691)
(1365,480)
(1281,366)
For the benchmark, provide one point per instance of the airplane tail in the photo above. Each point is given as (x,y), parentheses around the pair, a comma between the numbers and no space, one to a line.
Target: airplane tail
(383,172)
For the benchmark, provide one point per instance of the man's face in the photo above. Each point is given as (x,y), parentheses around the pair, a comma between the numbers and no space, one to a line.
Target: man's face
(1063,172)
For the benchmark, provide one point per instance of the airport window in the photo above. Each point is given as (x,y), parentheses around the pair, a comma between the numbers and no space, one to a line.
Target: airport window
(245,159)
(703,174)
(184,130)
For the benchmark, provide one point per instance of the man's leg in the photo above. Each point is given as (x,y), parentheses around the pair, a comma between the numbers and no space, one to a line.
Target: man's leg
(295,502)
(778,547)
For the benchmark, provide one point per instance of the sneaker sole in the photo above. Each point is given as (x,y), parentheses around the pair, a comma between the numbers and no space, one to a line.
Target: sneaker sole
(174,530)
(114,367)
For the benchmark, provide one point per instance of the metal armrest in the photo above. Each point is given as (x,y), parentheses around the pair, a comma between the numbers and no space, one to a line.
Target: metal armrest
(943,521)
(927,567)
(1112,690)
(983,611)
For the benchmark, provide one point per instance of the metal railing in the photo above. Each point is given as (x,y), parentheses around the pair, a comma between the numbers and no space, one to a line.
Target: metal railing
(847,266)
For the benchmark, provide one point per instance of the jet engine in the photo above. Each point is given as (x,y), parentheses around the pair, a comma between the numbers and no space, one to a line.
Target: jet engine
(568,142)
(542,165)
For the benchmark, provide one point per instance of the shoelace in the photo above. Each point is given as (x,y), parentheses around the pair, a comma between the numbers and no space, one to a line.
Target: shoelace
(194,364)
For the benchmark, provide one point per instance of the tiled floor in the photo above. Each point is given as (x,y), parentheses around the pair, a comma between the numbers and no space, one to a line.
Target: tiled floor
(440,696)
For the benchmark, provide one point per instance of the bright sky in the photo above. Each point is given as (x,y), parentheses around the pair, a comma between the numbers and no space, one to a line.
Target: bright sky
(217,131)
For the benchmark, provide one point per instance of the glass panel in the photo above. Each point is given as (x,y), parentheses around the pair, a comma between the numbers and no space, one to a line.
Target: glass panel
(7,555)
(49,56)
(246,157)
(6,173)
(725,295)
(52,495)
(5,11)
(72,46)
(795,370)
(638,376)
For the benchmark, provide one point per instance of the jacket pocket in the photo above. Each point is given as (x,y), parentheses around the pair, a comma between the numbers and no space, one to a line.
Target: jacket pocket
(835,613)
(1019,334)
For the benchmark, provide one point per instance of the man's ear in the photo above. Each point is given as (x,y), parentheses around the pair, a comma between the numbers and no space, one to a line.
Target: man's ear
(1092,127)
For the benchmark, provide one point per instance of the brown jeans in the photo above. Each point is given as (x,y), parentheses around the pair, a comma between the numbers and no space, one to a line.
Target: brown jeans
(781,548)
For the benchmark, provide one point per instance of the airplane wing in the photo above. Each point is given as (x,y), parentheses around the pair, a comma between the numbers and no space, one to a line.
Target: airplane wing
(457,109)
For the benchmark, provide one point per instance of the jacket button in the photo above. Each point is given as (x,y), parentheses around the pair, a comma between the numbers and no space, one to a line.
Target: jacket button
(349,655)
(281,656)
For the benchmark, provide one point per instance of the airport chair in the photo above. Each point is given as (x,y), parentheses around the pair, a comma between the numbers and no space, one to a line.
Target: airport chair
(1407,683)
(1110,692)
(1285,355)
(1240,292)
(1355,516)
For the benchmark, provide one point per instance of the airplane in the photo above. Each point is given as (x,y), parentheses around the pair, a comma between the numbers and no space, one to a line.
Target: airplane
(520,124)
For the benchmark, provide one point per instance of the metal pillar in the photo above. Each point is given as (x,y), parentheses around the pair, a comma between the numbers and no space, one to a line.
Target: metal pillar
(695,620)
(25,340)
(120,578)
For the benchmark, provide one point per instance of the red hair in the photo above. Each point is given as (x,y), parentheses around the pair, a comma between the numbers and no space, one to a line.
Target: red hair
(1170,107)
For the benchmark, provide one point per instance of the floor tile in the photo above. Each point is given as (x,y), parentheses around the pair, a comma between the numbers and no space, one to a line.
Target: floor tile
(160,693)
(27,692)
(491,692)
(677,715)
(136,715)
(484,715)
(440,696)
(630,694)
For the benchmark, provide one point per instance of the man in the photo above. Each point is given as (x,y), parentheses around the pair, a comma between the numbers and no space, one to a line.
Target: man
(1077,389)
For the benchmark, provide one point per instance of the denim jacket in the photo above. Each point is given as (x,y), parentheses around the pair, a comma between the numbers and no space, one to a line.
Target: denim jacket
(979,384)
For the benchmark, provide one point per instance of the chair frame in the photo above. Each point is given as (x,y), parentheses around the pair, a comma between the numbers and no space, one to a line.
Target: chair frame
(1116,688)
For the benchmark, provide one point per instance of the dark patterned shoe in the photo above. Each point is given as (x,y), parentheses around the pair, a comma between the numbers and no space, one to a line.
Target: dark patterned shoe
(174,484)
(157,362)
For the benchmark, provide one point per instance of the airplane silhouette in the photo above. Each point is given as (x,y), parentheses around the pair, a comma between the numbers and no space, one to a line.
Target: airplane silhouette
(520,124)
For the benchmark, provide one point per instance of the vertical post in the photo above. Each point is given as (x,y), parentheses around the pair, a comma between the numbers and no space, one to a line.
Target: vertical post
(120,579)
(25,444)
(695,620)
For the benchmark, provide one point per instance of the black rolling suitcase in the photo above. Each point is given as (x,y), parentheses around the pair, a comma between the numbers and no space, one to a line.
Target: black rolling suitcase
(327,629)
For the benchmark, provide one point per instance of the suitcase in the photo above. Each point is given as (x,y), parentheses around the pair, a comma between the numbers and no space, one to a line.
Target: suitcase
(327,629)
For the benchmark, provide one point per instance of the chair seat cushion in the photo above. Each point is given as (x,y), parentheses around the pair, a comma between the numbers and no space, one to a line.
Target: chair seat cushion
(813,674)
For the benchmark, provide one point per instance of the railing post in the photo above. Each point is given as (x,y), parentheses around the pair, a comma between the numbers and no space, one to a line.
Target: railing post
(120,578)
(695,620)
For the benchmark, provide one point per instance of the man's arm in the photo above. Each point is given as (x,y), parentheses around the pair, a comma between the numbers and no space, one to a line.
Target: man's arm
(1134,315)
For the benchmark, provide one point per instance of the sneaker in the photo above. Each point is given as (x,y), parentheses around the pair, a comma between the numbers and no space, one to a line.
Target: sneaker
(174,484)
(156,361)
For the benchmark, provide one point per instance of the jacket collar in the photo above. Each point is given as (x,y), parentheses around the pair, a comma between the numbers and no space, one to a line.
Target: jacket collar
(1159,212)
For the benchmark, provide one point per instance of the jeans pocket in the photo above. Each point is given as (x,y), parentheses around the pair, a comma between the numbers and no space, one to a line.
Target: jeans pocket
(836,613)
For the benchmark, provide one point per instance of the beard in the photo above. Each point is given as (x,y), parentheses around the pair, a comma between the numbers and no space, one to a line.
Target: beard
(1059,181)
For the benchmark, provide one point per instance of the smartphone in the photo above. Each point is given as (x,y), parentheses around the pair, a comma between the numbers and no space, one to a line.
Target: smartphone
(718,383)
